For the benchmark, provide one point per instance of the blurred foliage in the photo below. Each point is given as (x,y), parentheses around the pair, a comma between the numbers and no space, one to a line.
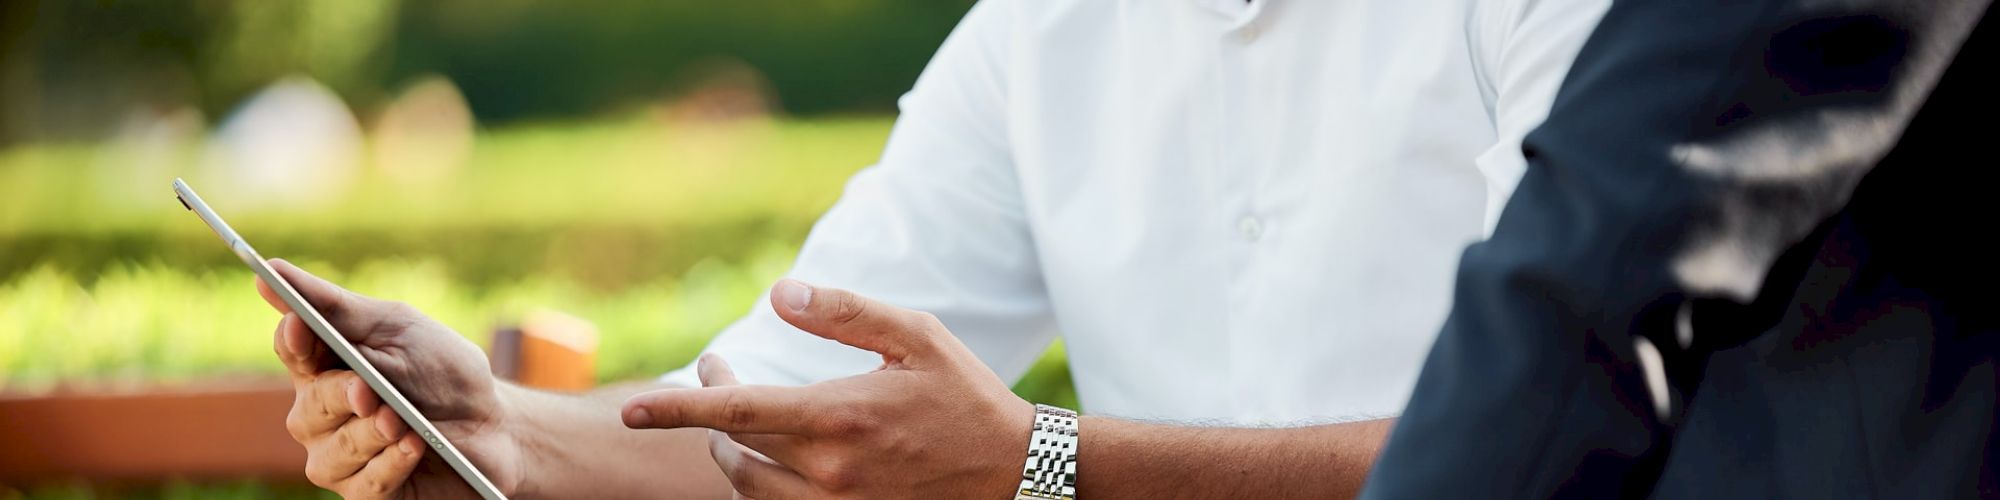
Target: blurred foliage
(659,235)
(158,323)
(608,203)
(154,323)
(72,69)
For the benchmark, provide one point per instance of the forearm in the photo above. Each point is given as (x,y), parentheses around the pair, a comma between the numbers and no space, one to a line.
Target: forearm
(1120,459)
(575,446)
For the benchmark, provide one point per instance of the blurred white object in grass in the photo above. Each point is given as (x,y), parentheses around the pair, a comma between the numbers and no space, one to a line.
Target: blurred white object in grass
(294,143)
(150,139)
(152,143)
(425,135)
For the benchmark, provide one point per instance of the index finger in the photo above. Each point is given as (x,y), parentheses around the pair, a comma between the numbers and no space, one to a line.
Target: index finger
(759,409)
(299,349)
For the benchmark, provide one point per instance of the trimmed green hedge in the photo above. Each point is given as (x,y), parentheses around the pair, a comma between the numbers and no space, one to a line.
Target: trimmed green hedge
(655,235)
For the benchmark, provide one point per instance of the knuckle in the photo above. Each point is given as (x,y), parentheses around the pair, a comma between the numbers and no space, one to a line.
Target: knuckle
(396,314)
(844,424)
(374,487)
(358,489)
(838,475)
(928,325)
(847,308)
(666,415)
(924,331)
(719,450)
(737,411)
(332,305)
(334,382)
(347,446)
(295,424)
(400,309)
(897,446)
(318,474)
(277,340)
(740,478)
(327,394)
(926,320)
(742,482)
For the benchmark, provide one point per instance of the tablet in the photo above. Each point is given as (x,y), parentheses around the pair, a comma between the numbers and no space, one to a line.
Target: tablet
(339,345)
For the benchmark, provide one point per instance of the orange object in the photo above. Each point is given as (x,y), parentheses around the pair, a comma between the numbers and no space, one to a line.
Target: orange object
(550,350)
(558,352)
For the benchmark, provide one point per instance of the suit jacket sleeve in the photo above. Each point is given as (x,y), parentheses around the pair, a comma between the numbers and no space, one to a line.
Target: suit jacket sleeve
(1691,144)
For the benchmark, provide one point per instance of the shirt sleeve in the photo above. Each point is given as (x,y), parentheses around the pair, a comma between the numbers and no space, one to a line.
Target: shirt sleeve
(1712,132)
(937,225)
(1521,50)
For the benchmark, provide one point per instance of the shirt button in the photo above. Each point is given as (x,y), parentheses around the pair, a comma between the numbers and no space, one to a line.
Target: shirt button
(1248,33)
(1250,228)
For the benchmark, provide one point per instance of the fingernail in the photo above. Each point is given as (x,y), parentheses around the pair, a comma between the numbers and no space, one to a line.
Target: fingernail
(406,447)
(638,417)
(701,363)
(795,294)
(354,398)
(385,427)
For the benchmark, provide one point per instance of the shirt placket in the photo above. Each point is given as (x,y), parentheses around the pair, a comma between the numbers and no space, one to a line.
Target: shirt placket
(1245,226)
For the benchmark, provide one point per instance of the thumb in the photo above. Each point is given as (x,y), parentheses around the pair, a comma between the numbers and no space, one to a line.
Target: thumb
(351,313)
(858,321)
(323,295)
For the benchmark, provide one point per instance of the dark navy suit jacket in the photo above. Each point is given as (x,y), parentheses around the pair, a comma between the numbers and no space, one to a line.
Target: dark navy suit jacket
(1792,200)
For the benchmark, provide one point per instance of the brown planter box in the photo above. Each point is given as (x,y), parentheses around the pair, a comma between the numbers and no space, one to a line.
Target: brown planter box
(550,350)
(227,431)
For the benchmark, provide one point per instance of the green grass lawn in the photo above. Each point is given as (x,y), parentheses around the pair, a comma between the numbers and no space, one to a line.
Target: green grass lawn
(659,235)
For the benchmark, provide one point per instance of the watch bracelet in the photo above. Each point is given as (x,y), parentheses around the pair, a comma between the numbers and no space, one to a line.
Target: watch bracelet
(1050,471)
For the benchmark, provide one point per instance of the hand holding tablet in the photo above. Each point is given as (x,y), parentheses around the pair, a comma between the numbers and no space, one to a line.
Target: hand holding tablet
(335,411)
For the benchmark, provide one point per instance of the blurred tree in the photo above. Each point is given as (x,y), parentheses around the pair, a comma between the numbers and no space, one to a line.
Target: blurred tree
(16,63)
(520,58)
(74,69)
(77,68)
(339,43)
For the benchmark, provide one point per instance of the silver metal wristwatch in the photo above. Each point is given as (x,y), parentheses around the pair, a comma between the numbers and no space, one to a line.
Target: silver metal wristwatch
(1051,470)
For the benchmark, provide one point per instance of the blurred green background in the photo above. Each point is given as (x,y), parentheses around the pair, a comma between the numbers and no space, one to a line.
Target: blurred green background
(649,166)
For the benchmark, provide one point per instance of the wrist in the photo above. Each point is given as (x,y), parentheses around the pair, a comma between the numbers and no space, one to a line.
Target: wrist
(1011,448)
(513,433)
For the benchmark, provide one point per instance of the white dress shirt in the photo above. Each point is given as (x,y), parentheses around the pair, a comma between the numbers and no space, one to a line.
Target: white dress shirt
(1521,51)
(1233,213)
